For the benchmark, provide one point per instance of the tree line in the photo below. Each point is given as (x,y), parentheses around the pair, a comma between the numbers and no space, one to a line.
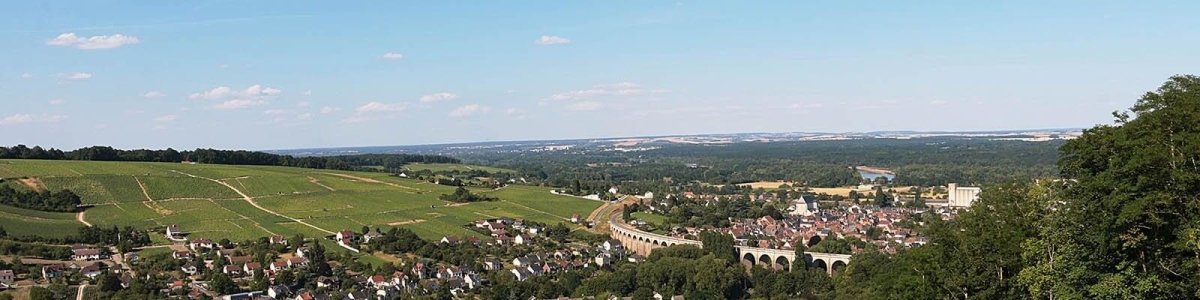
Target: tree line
(362,162)
(58,201)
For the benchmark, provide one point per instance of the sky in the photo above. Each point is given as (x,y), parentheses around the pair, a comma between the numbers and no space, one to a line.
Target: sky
(285,74)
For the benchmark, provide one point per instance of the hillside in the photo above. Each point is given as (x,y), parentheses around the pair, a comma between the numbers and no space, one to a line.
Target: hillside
(207,200)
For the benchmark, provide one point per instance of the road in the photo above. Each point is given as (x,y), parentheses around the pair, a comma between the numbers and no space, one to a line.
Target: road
(79,217)
(79,295)
(255,204)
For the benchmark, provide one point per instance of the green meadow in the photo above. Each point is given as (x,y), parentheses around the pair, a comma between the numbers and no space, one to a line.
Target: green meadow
(154,195)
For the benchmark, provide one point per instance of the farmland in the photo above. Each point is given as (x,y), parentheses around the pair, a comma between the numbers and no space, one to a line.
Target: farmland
(205,201)
(454,167)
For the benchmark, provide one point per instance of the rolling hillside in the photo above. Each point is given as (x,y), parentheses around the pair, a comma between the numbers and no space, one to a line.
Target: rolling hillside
(245,202)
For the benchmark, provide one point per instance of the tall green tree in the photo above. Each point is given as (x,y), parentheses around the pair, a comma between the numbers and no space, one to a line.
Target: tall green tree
(1128,225)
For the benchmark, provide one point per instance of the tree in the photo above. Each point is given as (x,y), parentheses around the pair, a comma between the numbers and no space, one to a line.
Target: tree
(1128,223)
(882,199)
(719,244)
(109,282)
(222,284)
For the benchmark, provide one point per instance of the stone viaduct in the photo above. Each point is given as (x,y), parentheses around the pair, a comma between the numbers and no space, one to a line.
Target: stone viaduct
(643,243)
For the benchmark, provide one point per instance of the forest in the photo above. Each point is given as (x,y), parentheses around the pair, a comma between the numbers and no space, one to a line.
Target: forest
(1124,224)
(59,201)
(920,161)
(363,162)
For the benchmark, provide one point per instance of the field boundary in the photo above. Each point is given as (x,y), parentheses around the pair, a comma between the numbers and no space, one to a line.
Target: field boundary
(255,204)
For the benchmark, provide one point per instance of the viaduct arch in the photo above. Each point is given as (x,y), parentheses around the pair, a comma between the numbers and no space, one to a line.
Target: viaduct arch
(643,243)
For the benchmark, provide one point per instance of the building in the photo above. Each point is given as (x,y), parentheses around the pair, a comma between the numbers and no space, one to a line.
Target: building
(173,232)
(85,254)
(7,276)
(805,207)
(961,196)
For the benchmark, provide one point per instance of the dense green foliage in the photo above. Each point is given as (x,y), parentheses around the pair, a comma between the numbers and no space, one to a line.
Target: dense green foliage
(921,161)
(1123,224)
(60,201)
(227,157)
(462,195)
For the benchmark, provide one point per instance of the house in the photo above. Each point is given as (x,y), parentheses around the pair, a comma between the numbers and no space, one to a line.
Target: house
(399,279)
(449,240)
(198,244)
(250,267)
(278,239)
(491,264)
(189,268)
(613,245)
(503,240)
(279,265)
(182,255)
(575,218)
(173,232)
(345,235)
(86,254)
(522,239)
(52,271)
(238,260)
(300,251)
(521,274)
(373,234)
(473,240)
(278,291)
(297,261)
(603,259)
(379,282)
(7,276)
(473,281)
(323,282)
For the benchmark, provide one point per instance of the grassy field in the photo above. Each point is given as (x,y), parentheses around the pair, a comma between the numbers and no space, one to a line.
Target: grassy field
(196,197)
(454,167)
(19,222)
(649,217)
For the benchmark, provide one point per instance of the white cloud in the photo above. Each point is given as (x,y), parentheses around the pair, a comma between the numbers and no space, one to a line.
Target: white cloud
(224,92)
(274,112)
(76,76)
(304,116)
(26,76)
(615,89)
(438,97)
(552,40)
(91,43)
(372,107)
(57,101)
(18,119)
(153,94)
(584,105)
(515,113)
(239,104)
(803,106)
(937,102)
(329,109)
(308,92)
(303,104)
(372,111)
(469,110)
(165,118)
(392,56)
(254,95)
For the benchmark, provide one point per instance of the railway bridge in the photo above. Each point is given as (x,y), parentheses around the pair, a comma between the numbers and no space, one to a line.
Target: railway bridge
(643,243)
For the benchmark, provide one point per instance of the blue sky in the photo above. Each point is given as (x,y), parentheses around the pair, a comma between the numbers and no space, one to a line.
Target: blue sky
(270,75)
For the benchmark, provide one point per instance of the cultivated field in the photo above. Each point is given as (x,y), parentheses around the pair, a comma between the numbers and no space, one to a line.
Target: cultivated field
(454,167)
(207,200)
